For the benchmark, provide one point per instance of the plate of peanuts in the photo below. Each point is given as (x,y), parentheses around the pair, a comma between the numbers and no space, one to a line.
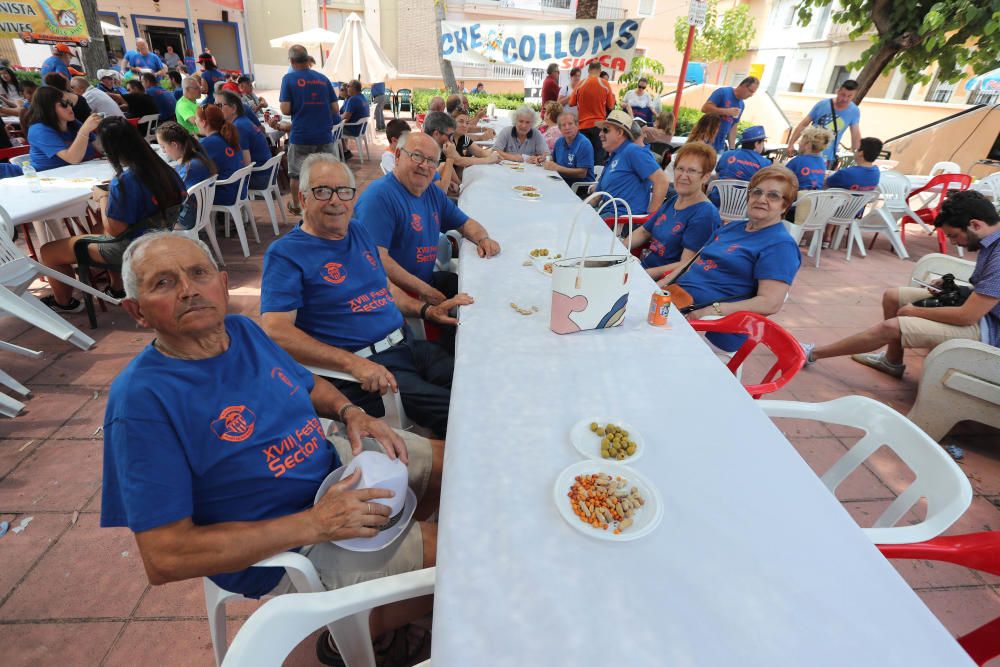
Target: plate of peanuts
(608,501)
(607,440)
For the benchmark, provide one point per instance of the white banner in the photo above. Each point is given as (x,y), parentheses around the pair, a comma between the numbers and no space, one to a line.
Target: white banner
(538,43)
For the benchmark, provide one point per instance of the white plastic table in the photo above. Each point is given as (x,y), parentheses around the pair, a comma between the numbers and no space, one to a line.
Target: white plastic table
(755,563)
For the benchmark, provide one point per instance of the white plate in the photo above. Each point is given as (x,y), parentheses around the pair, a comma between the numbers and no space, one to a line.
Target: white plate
(535,196)
(645,520)
(588,443)
(518,188)
(552,251)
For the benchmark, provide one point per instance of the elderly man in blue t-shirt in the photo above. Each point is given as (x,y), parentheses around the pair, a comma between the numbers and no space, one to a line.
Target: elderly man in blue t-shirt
(405,217)
(214,452)
(326,299)
(631,172)
(142,59)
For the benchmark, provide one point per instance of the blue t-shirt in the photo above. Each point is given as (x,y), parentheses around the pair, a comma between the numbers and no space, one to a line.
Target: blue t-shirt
(191,173)
(854,178)
(338,289)
(55,64)
(357,105)
(730,266)
(8,170)
(407,226)
(822,116)
(148,61)
(227,160)
(231,438)
(674,230)
(178,94)
(165,101)
(249,114)
(210,77)
(190,64)
(378,89)
(810,170)
(253,139)
(626,175)
(577,156)
(310,94)
(741,164)
(45,142)
(129,200)
(725,98)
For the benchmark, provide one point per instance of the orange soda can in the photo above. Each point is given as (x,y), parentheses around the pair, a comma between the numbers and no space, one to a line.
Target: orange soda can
(659,306)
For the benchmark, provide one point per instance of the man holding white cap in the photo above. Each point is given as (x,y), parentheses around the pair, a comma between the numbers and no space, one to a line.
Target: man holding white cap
(631,171)
(215,455)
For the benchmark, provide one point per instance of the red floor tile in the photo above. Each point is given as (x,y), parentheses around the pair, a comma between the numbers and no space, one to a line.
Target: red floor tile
(61,475)
(35,644)
(186,599)
(20,550)
(45,411)
(962,610)
(162,643)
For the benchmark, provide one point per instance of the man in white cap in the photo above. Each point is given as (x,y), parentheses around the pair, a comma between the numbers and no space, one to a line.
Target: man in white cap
(631,171)
(109,82)
(214,451)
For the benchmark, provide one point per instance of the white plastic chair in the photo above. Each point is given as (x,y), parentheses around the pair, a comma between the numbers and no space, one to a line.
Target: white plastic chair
(337,132)
(395,415)
(824,205)
(883,219)
(204,193)
(894,187)
(944,167)
(846,218)
(150,122)
(935,264)
(385,171)
(11,407)
(18,271)
(361,140)
(21,160)
(988,185)
(235,210)
(938,478)
(586,184)
(732,198)
(280,624)
(271,194)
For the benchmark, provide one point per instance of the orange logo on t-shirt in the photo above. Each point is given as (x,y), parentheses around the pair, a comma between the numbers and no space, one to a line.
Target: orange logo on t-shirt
(333,273)
(731,160)
(234,424)
(230,151)
(805,171)
(416,223)
(370,258)
(678,227)
(301,83)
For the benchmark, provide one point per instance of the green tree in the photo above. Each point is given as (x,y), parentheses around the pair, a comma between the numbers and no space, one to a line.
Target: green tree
(911,34)
(720,39)
(447,71)
(586,9)
(643,68)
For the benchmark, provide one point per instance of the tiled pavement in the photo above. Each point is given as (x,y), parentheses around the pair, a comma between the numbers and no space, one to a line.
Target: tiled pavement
(72,593)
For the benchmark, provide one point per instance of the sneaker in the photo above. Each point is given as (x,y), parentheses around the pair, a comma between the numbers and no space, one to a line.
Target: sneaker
(877,361)
(348,154)
(114,293)
(74,305)
(808,349)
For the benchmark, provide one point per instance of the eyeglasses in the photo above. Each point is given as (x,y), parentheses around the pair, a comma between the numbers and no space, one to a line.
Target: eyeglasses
(771,196)
(604,130)
(64,104)
(324,193)
(419,158)
(687,171)
(642,87)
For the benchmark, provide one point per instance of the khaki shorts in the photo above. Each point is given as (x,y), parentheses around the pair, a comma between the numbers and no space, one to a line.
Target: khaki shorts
(918,333)
(338,567)
(297,153)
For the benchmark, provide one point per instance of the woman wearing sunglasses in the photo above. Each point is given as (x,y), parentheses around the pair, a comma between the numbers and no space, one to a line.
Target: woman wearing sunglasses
(749,265)
(56,137)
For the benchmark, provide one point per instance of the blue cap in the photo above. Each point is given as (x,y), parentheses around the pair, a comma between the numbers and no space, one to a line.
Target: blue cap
(754,133)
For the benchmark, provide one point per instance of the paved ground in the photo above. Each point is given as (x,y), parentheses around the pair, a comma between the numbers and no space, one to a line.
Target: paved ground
(72,593)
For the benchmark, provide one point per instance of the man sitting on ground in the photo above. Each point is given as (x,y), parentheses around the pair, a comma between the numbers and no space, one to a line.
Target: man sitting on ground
(969,220)
(326,299)
(213,450)
(405,217)
(631,172)
(863,175)
(572,156)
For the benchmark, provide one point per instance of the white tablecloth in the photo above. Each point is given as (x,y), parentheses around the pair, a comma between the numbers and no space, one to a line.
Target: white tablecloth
(755,563)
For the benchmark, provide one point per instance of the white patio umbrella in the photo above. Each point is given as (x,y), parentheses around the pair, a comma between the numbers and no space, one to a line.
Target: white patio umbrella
(357,53)
(311,39)
(111,29)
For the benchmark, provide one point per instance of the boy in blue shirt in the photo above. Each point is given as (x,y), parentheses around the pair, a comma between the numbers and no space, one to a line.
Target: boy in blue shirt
(631,172)
(836,115)
(164,99)
(864,175)
(746,160)
(728,103)
(573,154)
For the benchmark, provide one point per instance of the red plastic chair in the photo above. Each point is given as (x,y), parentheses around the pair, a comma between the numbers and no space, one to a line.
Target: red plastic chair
(941,184)
(134,122)
(13,151)
(979,551)
(622,220)
(759,330)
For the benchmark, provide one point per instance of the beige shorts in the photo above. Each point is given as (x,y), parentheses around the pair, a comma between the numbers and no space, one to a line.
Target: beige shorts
(918,333)
(338,567)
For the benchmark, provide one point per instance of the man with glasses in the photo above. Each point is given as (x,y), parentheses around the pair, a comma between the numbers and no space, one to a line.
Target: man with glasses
(641,104)
(728,103)
(326,299)
(406,216)
(187,105)
(440,127)
(631,172)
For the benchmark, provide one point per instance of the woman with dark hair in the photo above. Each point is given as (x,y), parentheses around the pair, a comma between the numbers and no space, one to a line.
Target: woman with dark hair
(55,136)
(144,195)
(210,75)
(190,160)
(705,129)
(10,87)
(81,108)
(253,141)
(221,142)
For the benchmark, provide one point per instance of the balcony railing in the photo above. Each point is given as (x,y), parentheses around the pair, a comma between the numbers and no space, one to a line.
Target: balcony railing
(610,9)
(557,4)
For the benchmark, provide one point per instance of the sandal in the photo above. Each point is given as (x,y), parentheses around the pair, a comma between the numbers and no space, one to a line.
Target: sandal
(294,210)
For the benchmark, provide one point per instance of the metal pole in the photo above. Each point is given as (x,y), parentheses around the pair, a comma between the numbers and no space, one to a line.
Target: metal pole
(683,75)
(191,28)
(246,39)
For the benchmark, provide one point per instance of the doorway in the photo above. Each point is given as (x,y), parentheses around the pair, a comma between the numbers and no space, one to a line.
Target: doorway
(159,37)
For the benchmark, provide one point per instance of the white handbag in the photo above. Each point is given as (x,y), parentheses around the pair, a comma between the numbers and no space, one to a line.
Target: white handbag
(591,291)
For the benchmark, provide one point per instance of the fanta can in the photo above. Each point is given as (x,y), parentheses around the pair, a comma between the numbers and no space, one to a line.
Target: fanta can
(659,306)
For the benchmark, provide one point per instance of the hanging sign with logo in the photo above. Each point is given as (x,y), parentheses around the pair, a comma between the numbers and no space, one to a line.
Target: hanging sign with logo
(538,43)
(44,21)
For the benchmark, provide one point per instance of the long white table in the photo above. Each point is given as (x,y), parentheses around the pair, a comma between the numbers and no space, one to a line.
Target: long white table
(64,192)
(754,563)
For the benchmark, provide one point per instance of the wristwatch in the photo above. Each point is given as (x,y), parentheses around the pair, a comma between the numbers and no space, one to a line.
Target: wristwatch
(343,411)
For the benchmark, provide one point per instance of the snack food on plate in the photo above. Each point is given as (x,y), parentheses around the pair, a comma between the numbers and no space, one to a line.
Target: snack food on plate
(525,188)
(531,195)
(615,442)
(604,501)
